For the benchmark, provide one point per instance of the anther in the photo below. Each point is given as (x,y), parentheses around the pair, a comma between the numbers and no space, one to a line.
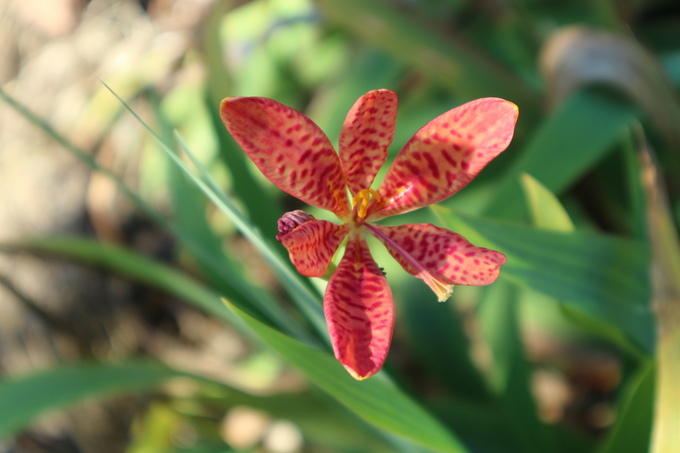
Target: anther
(362,200)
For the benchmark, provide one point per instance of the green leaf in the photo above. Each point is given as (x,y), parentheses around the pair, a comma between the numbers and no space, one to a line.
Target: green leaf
(243,292)
(631,432)
(574,138)
(24,398)
(665,270)
(436,331)
(376,400)
(546,210)
(299,292)
(605,277)
(190,217)
(132,265)
(260,205)
(499,322)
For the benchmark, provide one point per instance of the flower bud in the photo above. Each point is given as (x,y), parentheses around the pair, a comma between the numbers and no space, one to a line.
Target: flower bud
(290,221)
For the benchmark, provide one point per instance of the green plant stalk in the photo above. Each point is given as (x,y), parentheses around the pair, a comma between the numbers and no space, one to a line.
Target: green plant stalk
(666,303)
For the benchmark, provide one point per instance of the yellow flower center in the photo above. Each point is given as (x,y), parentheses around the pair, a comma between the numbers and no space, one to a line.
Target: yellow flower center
(362,201)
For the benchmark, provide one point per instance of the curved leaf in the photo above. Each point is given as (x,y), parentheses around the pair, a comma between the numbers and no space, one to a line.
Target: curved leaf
(604,277)
(376,400)
(575,137)
(24,398)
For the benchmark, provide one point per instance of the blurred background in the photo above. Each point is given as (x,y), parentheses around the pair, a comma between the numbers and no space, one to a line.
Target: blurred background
(112,334)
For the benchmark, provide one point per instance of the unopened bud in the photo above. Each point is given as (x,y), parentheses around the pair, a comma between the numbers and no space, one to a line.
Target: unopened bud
(290,221)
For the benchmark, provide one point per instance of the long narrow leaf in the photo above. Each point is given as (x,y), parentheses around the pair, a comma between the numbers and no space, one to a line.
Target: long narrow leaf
(631,432)
(300,293)
(132,265)
(242,289)
(24,398)
(375,400)
(573,139)
(665,270)
(603,277)
(190,216)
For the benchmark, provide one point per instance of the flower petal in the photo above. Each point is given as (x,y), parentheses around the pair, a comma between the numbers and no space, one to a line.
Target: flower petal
(447,256)
(289,149)
(366,133)
(359,311)
(446,154)
(312,244)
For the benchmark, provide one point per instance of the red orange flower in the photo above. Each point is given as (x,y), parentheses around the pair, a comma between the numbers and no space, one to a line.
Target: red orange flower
(438,161)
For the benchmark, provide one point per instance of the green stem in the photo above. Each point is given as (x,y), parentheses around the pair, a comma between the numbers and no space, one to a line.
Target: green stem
(666,303)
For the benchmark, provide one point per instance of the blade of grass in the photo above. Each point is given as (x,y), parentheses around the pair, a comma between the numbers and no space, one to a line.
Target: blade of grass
(604,277)
(131,265)
(260,206)
(242,293)
(631,432)
(307,302)
(24,398)
(190,215)
(376,400)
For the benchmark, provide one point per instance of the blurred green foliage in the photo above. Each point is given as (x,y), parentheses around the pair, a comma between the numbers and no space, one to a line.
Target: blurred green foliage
(565,203)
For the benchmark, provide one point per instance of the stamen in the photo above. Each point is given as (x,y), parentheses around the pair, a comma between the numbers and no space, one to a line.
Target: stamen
(363,200)
(442,289)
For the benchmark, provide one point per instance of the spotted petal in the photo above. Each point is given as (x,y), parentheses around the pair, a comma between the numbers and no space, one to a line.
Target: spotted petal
(446,256)
(289,149)
(366,133)
(446,154)
(359,311)
(312,244)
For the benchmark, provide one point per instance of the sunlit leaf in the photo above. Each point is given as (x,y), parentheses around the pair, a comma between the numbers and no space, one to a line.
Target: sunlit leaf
(376,400)
(604,277)
(299,292)
(545,209)
(572,139)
